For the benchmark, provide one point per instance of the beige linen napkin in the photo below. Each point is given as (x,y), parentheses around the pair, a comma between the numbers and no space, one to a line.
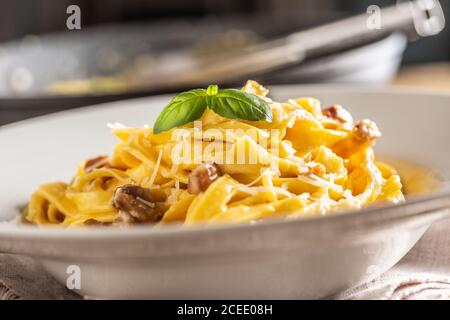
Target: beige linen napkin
(423,274)
(23,278)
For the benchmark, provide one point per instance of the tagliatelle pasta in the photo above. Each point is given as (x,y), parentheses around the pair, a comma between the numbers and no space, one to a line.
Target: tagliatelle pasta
(307,161)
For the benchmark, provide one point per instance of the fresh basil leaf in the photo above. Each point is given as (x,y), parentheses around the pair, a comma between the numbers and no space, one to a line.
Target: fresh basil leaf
(236,104)
(184,108)
(229,103)
(212,90)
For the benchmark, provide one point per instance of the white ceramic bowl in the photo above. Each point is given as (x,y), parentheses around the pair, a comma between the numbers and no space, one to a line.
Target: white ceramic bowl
(312,258)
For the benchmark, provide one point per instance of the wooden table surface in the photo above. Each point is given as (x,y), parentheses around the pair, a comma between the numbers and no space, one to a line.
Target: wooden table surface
(435,76)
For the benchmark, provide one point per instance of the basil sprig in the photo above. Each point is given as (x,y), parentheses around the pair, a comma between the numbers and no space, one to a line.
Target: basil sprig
(229,103)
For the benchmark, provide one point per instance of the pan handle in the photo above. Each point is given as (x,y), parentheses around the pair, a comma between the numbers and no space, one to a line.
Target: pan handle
(424,17)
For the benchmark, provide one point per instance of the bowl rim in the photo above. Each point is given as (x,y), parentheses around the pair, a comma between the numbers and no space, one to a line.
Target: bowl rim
(440,200)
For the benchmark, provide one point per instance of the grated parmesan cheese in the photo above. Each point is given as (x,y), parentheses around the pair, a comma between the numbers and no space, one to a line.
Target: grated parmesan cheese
(257,190)
(311,181)
(155,170)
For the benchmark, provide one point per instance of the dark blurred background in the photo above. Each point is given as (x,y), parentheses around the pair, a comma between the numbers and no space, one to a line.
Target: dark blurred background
(23,17)
(37,50)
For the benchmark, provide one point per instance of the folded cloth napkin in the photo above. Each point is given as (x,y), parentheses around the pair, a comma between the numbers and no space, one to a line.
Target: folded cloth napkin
(423,274)
(23,278)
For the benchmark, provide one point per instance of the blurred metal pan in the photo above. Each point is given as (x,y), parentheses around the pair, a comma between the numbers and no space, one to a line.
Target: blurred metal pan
(43,74)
